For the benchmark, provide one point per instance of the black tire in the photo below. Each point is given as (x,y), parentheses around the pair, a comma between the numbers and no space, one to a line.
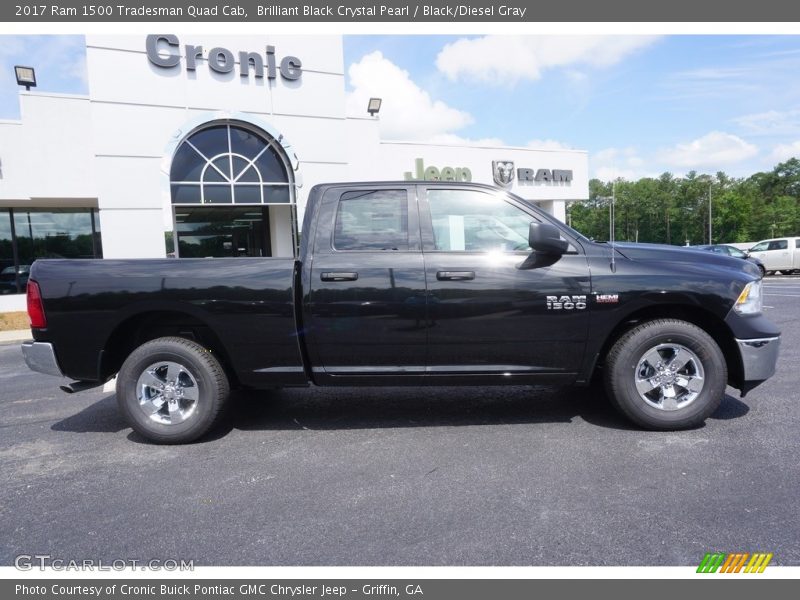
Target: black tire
(770,272)
(763,271)
(198,393)
(627,364)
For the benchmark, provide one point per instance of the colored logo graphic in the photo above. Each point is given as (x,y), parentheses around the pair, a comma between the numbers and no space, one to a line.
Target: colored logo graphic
(734,563)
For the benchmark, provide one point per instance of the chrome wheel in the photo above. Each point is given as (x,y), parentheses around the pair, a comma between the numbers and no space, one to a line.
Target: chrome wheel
(167,393)
(669,376)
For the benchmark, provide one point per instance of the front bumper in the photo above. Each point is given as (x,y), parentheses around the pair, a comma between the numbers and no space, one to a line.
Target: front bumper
(759,357)
(41,357)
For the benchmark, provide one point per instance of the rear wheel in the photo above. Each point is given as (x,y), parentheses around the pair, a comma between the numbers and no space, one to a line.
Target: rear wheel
(172,390)
(666,374)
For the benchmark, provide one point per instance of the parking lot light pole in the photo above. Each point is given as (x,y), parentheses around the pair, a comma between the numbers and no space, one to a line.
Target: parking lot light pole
(709,214)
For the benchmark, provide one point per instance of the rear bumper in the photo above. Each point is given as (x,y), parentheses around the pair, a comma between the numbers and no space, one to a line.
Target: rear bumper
(41,357)
(759,357)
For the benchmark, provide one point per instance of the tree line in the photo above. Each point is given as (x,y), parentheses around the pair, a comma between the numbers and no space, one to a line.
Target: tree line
(674,210)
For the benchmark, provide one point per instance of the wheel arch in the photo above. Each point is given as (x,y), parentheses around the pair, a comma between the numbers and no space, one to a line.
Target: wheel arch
(141,327)
(704,319)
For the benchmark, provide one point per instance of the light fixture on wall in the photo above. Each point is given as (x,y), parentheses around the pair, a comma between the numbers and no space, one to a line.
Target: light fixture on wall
(374,106)
(25,76)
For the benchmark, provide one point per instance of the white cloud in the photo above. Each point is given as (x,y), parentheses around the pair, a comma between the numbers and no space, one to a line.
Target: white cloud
(509,59)
(713,150)
(771,122)
(784,152)
(617,163)
(408,112)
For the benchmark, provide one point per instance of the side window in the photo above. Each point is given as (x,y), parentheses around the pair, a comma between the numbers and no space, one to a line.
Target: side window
(797,243)
(372,220)
(779,245)
(473,221)
(760,247)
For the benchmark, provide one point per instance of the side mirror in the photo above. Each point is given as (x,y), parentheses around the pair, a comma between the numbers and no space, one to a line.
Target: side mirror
(546,238)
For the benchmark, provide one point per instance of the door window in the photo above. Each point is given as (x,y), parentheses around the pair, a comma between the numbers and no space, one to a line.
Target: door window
(473,221)
(372,220)
(760,247)
(779,245)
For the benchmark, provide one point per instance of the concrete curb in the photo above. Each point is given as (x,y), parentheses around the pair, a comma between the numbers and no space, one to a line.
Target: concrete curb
(11,337)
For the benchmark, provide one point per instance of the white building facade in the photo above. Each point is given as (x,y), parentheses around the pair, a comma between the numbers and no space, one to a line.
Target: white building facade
(215,140)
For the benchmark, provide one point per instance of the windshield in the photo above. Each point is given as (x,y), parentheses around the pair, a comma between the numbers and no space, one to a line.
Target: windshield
(735,252)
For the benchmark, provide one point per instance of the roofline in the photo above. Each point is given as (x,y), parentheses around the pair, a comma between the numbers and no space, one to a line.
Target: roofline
(481,146)
(407,182)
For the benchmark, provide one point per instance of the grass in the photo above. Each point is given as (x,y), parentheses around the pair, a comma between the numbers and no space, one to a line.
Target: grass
(14,320)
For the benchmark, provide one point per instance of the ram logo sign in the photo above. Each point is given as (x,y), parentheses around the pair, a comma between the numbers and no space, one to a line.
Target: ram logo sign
(503,172)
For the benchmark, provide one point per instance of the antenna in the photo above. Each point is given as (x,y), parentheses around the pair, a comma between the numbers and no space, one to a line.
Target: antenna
(611,223)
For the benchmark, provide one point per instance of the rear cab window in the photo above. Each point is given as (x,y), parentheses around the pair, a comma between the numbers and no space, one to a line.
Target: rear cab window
(372,220)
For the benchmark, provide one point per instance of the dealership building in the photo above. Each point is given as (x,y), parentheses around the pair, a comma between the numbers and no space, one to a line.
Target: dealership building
(215,141)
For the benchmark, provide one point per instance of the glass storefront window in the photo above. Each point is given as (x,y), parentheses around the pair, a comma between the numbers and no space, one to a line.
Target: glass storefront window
(8,279)
(30,234)
(215,232)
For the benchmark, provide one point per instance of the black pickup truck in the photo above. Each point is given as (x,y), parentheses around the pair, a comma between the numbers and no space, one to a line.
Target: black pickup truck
(407,283)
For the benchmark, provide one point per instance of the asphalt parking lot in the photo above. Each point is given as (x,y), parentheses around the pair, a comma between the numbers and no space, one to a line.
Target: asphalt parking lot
(440,476)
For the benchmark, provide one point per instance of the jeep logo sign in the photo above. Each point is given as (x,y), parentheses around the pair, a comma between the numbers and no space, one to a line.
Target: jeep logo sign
(164,51)
(432,173)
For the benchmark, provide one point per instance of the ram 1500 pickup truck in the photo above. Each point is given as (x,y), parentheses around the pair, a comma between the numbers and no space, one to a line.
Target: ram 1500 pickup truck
(407,283)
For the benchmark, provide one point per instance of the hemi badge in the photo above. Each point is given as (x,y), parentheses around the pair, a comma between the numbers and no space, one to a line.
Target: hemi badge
(607,298)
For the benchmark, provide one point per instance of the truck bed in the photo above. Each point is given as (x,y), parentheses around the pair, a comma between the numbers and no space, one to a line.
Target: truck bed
(247,303)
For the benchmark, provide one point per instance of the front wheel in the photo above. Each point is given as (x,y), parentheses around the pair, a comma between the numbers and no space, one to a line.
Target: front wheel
(172,390)
(666,374)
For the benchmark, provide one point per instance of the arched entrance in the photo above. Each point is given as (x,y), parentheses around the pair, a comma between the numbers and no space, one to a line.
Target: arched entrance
(232,193)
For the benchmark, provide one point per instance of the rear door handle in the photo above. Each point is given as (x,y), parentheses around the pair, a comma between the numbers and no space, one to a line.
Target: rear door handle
(455,275)
(337,276)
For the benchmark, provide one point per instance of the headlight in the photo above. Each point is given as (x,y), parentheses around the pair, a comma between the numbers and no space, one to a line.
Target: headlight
(749,301)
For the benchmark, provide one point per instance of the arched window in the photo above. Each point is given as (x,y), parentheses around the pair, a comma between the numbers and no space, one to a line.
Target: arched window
(229,163)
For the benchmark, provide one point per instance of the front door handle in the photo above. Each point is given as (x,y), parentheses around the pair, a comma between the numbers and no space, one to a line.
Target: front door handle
(455,275)
(337,276)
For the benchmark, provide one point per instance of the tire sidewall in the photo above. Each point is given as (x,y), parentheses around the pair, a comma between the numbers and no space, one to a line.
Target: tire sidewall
(134,366)
(714,370)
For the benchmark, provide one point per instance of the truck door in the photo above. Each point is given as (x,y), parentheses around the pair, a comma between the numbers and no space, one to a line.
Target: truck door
(365,314)
(774,254)
(496,309)
(796,254)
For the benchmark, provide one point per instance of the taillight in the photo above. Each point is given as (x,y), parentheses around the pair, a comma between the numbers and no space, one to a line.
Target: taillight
(35,306)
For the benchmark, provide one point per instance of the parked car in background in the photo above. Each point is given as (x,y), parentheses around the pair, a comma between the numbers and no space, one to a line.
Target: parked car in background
(728,250)
(8,280)
(780,254)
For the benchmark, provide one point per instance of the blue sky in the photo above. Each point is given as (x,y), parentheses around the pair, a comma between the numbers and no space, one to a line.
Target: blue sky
(640,105)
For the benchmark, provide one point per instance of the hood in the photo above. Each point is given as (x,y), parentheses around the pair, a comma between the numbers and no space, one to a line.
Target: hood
(685,255)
